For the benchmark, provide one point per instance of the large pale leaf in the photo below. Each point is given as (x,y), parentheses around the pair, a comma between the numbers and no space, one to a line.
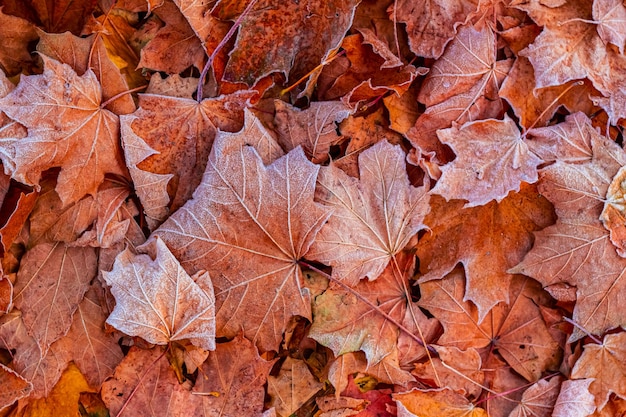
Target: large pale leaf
(155,298)
(374,217)
(248,225)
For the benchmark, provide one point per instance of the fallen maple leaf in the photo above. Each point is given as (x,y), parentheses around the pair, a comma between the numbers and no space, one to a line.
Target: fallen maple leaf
(157,301)
(51,282)
(492,160)
(292,387)
(435,403)
(144,384)
(374,217)
(16,33)
(167,143)
(248,225)
(231,380)
(432,24)
(487,240)
(367,318)
(516,330)
(315,129)
(12,387)
(67,128)
(539,399)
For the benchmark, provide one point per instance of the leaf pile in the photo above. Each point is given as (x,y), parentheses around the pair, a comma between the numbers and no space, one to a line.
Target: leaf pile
(331,208)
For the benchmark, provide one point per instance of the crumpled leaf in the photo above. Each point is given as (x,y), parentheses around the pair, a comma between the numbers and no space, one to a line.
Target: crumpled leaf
(232,380)
(374,217)
(605,365)
(248,225)
(157,301)
(300,37)
(487,240)
(492,159)
(67,128)
(292,387)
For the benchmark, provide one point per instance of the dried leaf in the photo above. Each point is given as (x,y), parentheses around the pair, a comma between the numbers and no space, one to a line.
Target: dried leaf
(442,402)
(12,387)
(539,399)
(293,386)
(492,160)
(67,128)
(374,217)
(157,301)
(574,400)
(231,380)
(487,240)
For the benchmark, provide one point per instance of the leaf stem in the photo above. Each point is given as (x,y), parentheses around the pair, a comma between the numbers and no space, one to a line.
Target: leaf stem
(118,95)
(219,47)
(585,331)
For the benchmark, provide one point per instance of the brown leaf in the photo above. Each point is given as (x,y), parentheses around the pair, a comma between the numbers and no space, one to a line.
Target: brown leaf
(374,217)
(516,330)
(466,362)
(292,387)
(67,128)
(12,387)
(16,33)
(346,321)
(605,365)
(168,140)
(95,352)
(43,371)
(569,48)
(492,159)
(432,24)
(248,225)
(157,301)
(300,37)
(487,240)
(51,282)
(363,132)
(574,400)
(145,385)
(315,129)
(231,380)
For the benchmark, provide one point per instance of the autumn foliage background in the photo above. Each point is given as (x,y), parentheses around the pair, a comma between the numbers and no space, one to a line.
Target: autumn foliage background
(366,208)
